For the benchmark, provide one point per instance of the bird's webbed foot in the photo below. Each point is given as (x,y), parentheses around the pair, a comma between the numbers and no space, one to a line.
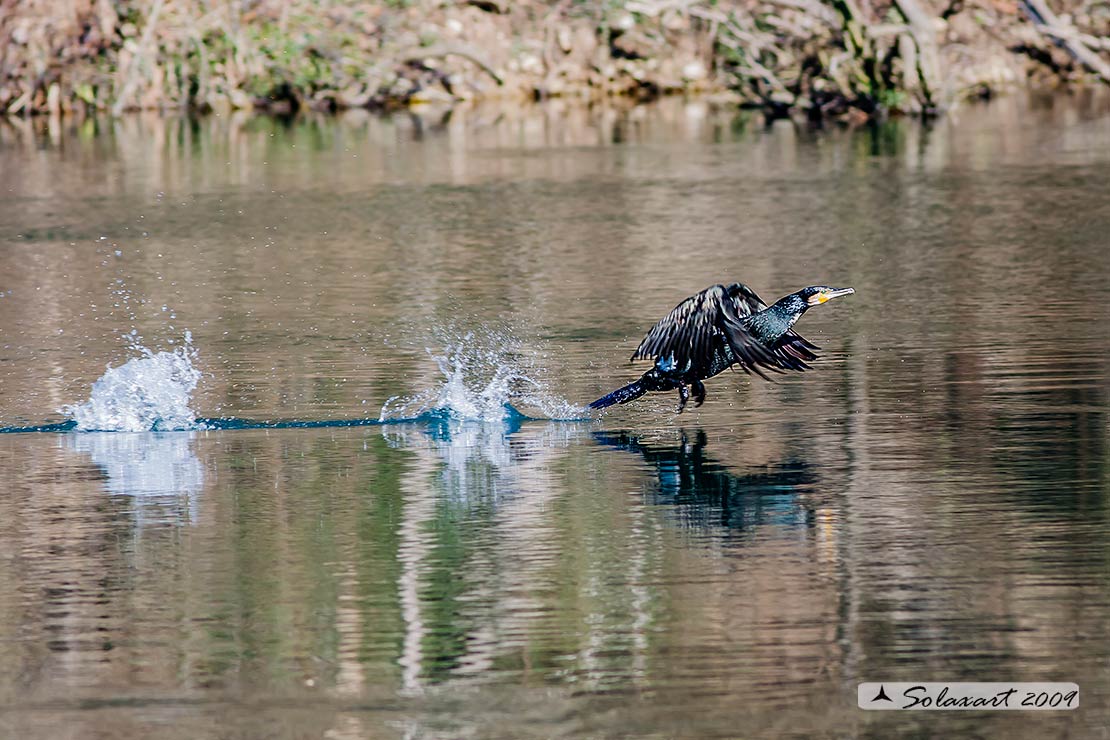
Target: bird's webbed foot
(699,392)
(683,397)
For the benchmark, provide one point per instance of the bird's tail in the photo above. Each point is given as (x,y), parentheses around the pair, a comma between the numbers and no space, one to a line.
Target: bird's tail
(628,393)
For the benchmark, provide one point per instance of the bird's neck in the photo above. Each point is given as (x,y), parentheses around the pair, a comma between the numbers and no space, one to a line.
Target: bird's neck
(771,323)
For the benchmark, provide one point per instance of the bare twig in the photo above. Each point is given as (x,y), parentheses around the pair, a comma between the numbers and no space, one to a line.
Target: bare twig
(882,30)
(810,8)
(1047,22)
(136,61)
(456,50)
(924,33)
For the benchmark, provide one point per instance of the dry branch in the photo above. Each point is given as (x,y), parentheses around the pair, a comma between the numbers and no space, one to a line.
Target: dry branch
(137,61)
(457,50)
(1049,24)
(923,30)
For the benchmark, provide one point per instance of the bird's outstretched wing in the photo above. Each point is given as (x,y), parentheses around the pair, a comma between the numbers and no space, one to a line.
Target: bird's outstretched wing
(744,299)
(685,337)
(792,351)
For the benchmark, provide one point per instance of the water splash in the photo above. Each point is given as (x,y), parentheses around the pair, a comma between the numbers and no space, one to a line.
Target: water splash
(487,377)
(151,392)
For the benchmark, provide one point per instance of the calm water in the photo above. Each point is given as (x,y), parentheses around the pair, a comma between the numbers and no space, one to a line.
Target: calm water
(930,503)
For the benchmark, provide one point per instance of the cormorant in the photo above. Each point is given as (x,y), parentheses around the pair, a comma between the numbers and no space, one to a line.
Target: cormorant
(722,326)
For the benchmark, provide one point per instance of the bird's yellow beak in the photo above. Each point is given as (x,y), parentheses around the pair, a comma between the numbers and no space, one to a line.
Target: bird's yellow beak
(826,295)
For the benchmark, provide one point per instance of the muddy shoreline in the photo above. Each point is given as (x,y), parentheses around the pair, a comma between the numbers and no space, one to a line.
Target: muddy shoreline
(846,59)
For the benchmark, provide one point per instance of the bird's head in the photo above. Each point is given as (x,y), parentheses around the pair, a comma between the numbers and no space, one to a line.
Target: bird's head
(815,295)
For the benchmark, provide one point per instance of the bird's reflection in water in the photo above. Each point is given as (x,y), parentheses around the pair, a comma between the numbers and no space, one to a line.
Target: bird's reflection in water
(158,471)
(705,492)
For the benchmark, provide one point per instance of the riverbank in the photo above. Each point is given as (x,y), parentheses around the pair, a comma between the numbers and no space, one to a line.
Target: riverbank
(840,58)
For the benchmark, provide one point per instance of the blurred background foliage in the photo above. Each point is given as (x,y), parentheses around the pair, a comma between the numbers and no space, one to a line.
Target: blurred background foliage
(847,58)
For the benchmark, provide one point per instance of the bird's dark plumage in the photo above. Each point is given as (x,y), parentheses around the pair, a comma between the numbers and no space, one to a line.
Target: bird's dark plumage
(686,336)
(717,328)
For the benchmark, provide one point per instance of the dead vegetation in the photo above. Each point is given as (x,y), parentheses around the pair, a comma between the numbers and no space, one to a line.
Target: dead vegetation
(816,57)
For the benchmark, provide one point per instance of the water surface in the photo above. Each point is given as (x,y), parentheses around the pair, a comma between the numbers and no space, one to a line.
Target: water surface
(930,503)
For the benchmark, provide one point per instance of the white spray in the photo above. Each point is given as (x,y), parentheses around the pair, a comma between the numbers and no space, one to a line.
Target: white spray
(151,392)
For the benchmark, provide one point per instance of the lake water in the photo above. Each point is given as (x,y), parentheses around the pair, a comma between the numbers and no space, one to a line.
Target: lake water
(929,503)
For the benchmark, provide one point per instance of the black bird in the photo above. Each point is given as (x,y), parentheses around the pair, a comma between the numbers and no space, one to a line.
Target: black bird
(722,326)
